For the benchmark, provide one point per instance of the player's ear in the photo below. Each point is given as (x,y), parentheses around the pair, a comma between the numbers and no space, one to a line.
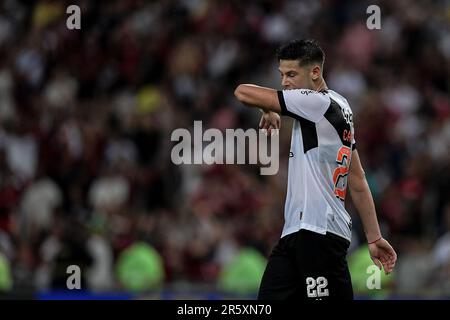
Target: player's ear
(315,72)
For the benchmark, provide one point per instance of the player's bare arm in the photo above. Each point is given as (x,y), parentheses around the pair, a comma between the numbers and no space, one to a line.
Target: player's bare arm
(264,98)
(259,97)
(380,250)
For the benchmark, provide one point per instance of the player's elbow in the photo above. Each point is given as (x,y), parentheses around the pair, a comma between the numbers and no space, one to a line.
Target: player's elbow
(357,183)
(355,188)
(239,93)
(244,94)
(257,97)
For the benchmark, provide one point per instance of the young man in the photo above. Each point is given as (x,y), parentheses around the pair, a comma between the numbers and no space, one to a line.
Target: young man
(309,262)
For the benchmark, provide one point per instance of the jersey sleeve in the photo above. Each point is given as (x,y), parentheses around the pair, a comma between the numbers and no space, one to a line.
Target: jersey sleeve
(308,104)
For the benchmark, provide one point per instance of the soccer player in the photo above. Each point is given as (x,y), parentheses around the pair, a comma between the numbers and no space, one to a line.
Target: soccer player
(309,261)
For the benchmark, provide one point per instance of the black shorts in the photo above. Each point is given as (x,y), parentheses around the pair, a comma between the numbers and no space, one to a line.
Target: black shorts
(307,266)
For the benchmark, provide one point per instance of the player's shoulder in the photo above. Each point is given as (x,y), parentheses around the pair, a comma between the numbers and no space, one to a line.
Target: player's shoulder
(306,97)
(335,94)
(305,92)
(338,98)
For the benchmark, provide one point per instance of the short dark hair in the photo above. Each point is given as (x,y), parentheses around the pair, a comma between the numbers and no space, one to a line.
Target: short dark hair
(306,51)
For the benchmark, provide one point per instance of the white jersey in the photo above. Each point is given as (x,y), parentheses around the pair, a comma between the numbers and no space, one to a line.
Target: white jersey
(321,146)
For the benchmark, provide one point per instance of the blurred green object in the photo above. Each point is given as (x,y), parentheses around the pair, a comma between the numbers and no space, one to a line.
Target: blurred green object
(364,275)
(5,274)
(46,12)
(148,99)
(243,274)
(140,268)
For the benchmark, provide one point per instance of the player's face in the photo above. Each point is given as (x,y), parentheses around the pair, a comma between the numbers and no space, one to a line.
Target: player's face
(293,76)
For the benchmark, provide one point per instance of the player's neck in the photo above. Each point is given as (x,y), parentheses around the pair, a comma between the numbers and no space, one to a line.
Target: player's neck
(320,85)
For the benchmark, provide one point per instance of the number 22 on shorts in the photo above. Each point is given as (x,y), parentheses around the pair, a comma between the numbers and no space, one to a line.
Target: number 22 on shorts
(316,288)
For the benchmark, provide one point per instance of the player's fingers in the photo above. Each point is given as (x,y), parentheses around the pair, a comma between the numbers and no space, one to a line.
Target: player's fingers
(275,123)
(390,251)
(274,131)
(392,259)
(394,255)
(386,266)
(389,266)
(390,262)
(387,270)
(262,122)
(377,262)
(383,257)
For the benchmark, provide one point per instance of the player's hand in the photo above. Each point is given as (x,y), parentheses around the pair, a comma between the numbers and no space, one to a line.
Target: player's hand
(269,121)
(383,255)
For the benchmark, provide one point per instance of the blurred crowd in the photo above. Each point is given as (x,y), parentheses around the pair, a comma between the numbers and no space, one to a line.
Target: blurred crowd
(86,118)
